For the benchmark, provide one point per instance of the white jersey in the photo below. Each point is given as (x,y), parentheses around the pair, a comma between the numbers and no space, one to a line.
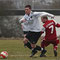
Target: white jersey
(25,26)
(32,22)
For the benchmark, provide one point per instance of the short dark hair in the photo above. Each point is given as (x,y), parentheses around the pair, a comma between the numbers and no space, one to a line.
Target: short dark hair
(29,6)
(45,17)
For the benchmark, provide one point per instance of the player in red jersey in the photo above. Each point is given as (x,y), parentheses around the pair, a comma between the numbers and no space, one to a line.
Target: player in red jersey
(50,35)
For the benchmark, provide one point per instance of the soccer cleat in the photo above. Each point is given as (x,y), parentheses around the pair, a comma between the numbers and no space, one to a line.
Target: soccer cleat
(43,56)
(33,53)
(55,53)
(43,53)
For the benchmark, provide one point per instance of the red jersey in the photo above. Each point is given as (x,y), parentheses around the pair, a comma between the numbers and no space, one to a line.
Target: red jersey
(50,30)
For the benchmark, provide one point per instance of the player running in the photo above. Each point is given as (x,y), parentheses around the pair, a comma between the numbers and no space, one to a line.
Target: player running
(30,20)
(50,35)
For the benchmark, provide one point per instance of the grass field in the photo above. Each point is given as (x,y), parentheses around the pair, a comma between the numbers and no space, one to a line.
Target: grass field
(17,51)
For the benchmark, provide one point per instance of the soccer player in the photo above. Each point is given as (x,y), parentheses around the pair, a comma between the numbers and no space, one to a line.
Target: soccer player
(49,27)
(32,23)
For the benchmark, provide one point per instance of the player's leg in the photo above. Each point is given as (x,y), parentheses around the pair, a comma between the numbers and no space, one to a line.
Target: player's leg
(43,45)
(55,47)
(55,51)
(35,40)
(26,42)
(33,50)
(34,36)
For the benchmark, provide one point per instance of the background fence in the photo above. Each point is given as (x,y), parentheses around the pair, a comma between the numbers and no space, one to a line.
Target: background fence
(12,9)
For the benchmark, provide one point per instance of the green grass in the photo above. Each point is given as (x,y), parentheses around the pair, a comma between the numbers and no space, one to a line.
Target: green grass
(16,51)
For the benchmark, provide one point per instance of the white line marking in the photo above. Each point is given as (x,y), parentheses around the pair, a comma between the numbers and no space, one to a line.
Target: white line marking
(21,55)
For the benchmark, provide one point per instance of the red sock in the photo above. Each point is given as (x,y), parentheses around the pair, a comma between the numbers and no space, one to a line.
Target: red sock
(55,47)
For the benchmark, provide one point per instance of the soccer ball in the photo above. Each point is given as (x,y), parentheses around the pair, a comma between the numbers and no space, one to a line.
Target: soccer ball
(4,54)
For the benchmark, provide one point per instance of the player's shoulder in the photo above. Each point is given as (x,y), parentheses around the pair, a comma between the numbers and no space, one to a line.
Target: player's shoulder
(48,22)
(44,25)
(25,16)
(35,12)
(52,20)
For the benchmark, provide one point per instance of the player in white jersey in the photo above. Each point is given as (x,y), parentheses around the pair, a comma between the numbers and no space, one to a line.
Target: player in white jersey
(33,26)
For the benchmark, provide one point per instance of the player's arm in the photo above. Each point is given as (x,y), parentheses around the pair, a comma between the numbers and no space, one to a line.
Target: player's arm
(43,14)
(57,24)
(47,14)
(22,20)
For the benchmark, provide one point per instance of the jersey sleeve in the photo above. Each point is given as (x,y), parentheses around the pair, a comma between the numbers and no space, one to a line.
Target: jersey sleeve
(42,29)
(57,24)
(20,20)
(43,14)
(38,13)
(24,18)
(47,14)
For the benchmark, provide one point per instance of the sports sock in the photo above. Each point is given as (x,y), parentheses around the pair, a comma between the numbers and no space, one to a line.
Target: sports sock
(37,48)
(28,45)
(55,53)
(55,47)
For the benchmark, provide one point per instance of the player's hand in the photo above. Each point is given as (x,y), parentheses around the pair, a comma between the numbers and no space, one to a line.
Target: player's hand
(23,20)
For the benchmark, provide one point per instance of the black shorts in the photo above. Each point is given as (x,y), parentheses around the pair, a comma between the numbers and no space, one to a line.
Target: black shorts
(33,36)
(25,32)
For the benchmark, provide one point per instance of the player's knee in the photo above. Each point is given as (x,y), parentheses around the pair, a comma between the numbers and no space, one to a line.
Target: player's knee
(25,40)
(33,45)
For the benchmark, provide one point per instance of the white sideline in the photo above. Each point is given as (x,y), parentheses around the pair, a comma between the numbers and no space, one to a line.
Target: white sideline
(21,55)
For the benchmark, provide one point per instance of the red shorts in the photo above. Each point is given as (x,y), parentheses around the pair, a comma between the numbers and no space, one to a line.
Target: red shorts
(45,43)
